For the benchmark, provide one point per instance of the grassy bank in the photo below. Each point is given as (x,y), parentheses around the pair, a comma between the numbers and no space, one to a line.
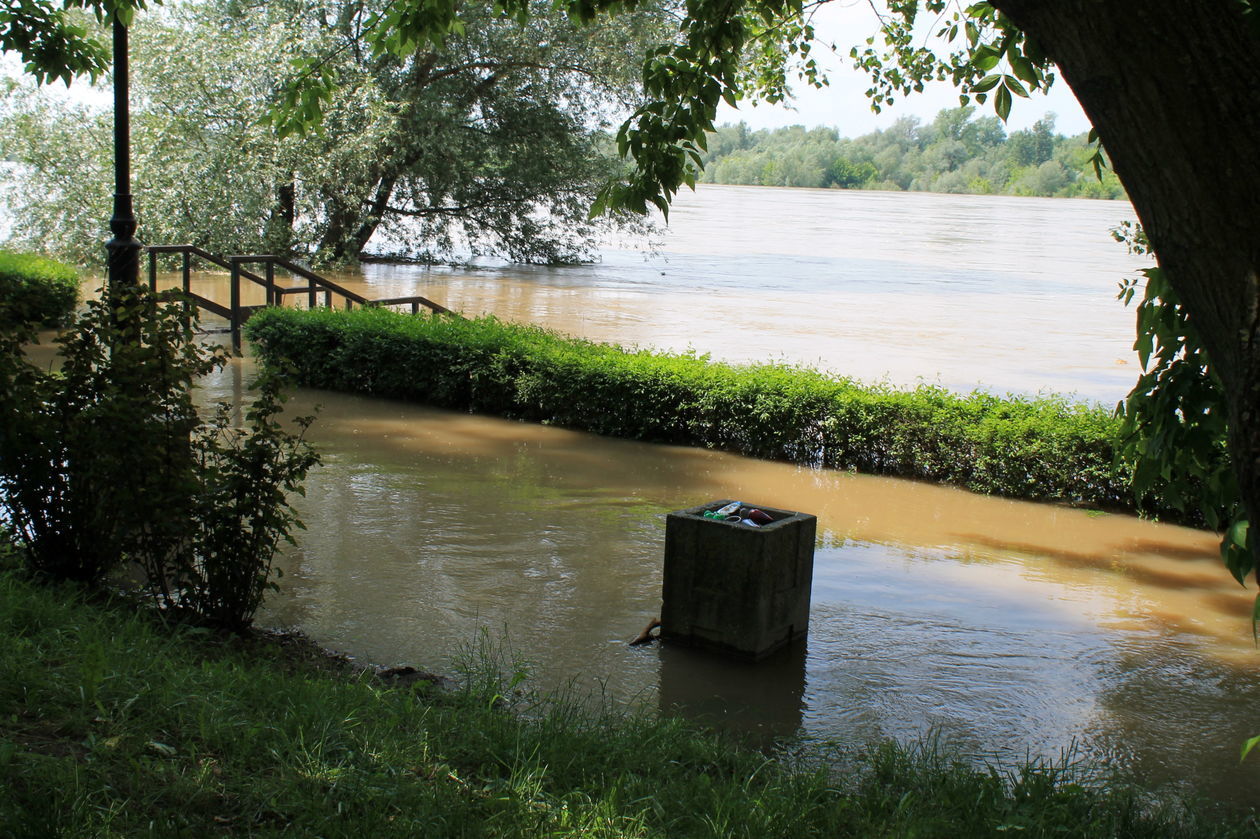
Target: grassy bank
(111,725)
(1037,449)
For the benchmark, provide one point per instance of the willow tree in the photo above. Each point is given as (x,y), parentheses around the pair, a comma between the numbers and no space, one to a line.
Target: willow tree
(493,141)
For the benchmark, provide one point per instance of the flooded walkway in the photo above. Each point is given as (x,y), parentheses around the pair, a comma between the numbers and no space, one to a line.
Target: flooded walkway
(1007,629)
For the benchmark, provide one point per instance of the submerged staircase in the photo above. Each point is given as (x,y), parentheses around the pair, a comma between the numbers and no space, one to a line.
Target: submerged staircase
(311,285)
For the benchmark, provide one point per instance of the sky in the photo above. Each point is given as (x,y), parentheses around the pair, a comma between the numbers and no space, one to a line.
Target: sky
(842,105)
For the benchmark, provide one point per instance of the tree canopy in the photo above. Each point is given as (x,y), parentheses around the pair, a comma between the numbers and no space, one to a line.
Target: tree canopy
(490,143)
(956,152)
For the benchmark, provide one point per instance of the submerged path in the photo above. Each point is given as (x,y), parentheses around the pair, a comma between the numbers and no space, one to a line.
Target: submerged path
(1005,627)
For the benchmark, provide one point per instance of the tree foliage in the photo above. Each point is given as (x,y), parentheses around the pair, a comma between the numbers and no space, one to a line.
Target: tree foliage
(490,144)
(1175,420)
(55,41)
(954,153)
(107,463)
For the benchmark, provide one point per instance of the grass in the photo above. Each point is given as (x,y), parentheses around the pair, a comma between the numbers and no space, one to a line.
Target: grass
(112,724)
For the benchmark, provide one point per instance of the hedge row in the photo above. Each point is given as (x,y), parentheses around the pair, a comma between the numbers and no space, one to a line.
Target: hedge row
(1041,449)
(35,290)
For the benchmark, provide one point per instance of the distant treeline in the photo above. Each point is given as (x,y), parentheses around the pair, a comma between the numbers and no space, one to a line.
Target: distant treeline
(955,153)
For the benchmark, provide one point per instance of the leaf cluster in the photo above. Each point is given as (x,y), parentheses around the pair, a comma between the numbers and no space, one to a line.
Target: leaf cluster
(54,43)
(106,464)
(990,57)
(1175,420)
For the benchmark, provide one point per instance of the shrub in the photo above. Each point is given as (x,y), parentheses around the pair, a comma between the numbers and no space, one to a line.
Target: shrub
(35,290)
(108,462)
(1041,449)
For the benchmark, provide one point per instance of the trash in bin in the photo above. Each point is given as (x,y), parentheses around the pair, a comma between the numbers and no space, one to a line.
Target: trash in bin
(741,587)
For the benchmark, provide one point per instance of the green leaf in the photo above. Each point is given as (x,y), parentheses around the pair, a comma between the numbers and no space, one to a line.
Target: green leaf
(987,83)
(1012,84)
(1238,533)
(985,59)
(1002,102)
(1255,626)
(1024,69)
(1248,746)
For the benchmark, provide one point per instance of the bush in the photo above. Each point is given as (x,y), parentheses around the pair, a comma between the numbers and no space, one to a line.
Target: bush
(108,463)
(35,290)
(1041,449)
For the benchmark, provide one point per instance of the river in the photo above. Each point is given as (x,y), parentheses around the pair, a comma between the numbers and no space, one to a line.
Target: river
(1005,629)
(1002,293)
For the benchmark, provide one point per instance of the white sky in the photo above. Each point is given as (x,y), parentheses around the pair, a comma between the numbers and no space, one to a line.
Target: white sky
(842,105)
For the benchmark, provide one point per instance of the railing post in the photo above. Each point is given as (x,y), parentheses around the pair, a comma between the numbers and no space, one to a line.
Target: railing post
(152,271)
(327,299)
(187,272)
(271,283)
(311,293)
(236,304)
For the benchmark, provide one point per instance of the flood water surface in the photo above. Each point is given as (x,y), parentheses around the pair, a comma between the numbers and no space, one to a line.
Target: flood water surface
(966,291)
(1007,630)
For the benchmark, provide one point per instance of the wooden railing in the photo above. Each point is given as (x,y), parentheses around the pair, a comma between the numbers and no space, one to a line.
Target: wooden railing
(274,293)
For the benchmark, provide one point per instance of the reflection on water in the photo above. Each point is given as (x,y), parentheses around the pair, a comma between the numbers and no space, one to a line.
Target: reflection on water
(762,701)
(1008,629)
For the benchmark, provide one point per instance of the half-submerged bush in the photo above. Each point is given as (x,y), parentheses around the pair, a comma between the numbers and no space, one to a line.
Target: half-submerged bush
(1041,449)
(108,463)
(35,290)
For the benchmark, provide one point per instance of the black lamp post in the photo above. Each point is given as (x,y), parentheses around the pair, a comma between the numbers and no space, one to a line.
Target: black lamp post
(123,249)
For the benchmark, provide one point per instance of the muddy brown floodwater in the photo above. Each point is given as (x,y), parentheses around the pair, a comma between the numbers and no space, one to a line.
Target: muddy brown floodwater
(1005,629)
(1002,293)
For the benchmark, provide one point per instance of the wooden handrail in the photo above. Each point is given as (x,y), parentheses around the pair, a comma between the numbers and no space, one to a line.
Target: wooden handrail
(415,299)
(236,313)
(207,256)
(309,276)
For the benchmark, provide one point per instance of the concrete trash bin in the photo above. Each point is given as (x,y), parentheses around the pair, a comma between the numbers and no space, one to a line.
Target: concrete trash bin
(735,588)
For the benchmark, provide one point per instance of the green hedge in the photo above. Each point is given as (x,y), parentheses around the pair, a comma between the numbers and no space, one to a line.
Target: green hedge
(1042,449)
(36,290)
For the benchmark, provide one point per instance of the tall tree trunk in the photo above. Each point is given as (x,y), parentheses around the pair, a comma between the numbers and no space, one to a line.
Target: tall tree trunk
(375,212)
(332,242)
(1173,88)
(283,215)
(348,229)
(286,204)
